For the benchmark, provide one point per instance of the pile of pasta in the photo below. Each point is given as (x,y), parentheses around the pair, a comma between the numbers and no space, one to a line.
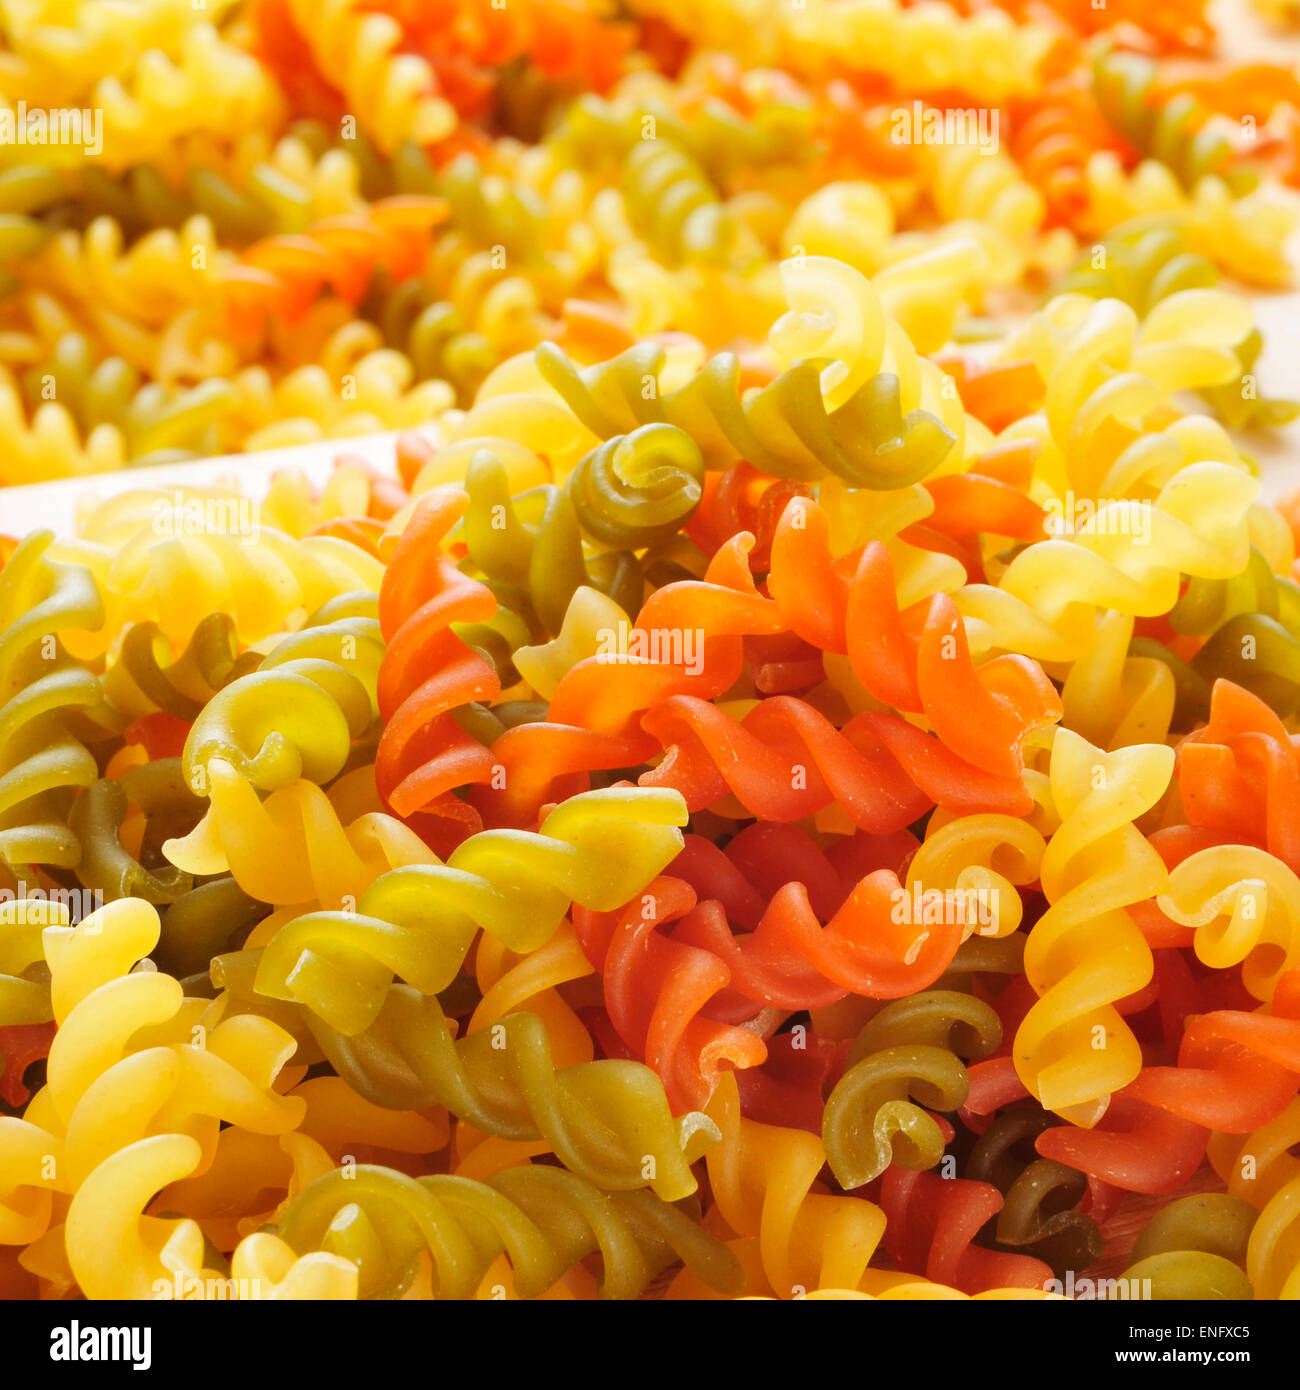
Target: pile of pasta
(786,785)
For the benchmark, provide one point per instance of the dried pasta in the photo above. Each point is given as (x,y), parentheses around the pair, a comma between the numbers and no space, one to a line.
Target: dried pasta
(772,773)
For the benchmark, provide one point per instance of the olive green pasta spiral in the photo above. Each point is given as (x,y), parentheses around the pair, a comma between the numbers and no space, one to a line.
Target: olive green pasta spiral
(1038,1218)
(1258,652)
(260,190)
(418,922)
(783,428)
(488,724)
(1038,1215)
(106,865)
(674,206)
(598,131)
(542,1219)
(1140,264)
(501,213)
(984,955)
(1196,1248)
(157,424)
(638,489)
(607,1121)
(301,712)
(1252,628)
(1238,403)
(1206,604)
(528,549)
(41,687)
(438,337)
(199,925)
(140,681)
(1147,262)
(143,197)
(480,297)
(1172,131)
(911,1048)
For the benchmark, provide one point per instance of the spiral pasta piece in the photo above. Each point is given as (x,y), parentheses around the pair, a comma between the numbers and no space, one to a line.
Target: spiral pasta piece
(24,988)
(1049,1211)
(905,1061)
(1241,902)
(1196,525)
(301,845)
(986,54)
(607,1121)
(542,1219)
(1053,139)
(142,681)
(592,719)
(357,51)
(428,671)
(513,884)
(1072,1049)
(863,618)
(777,780)
(1172,131)
(41,759)
(1242,235)
(671,202)
(1195,1248)
(679,976)
(783,428)
(529,546)
(1236,772)
(106,864)
(790,1238)
(638,489)
(312,696)
(123,1122)
(177,74)
(284,275)
(933,1222)
(1141,265)
(183,560)
(1271,1254)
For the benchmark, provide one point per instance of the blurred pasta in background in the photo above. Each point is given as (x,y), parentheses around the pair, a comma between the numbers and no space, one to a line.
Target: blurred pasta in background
(785,783)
